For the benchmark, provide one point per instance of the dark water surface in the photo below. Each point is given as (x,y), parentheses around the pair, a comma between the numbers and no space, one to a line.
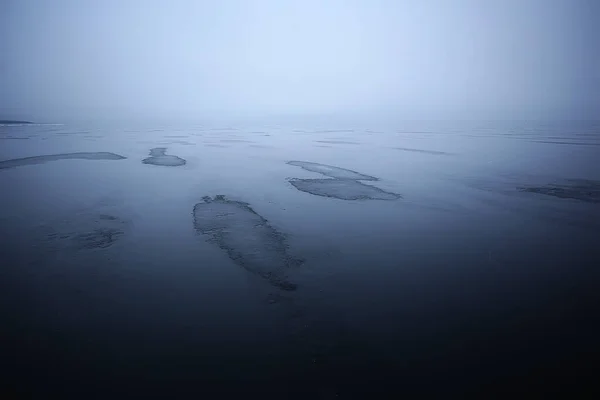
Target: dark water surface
(428,259)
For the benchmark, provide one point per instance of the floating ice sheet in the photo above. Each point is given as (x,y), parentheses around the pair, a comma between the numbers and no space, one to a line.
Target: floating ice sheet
(247,238)
(19,162)
(342,189)
(332,171)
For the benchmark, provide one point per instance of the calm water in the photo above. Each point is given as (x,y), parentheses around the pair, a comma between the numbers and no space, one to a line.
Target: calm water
(309,261)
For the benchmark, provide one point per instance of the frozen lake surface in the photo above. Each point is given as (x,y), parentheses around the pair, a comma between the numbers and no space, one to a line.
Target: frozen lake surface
(307,260)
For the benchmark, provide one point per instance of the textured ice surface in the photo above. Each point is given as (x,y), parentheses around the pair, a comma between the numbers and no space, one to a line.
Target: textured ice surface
(18,162)
(85,231)
(337,141)
(158,157)
(331,171)
(583,143)
(247,238)
(236,141)
(580,189)
(342,189)
(433,152)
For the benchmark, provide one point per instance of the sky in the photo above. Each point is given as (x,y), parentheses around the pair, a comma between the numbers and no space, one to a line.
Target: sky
(261,58)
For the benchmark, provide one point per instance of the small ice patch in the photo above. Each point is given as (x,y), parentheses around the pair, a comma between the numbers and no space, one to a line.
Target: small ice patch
(86,231)
(582,190)
(158,157)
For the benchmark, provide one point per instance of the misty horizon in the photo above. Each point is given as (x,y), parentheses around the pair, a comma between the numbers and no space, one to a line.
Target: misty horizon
(77,60)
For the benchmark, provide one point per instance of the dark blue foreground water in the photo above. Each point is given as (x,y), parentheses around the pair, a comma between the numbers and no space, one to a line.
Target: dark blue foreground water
(316,261)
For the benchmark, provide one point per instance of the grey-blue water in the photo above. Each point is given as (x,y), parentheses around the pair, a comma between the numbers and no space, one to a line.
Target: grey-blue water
(315,260)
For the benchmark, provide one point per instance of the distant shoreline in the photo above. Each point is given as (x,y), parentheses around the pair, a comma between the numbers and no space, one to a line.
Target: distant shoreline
(11,122)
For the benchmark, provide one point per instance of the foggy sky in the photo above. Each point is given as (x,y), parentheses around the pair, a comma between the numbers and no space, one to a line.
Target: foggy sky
(186,58)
